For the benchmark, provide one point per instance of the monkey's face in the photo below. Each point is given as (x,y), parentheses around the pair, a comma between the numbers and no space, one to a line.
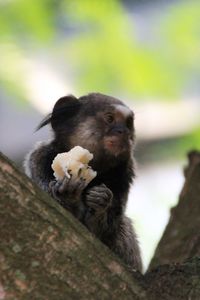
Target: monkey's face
(117,121)
(108,133)
(99,123)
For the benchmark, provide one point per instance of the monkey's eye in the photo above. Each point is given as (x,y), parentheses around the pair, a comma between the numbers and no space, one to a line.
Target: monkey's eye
(109,118)
(129,123)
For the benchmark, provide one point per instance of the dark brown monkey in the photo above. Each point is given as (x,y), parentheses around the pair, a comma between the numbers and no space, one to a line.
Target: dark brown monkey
(104,126)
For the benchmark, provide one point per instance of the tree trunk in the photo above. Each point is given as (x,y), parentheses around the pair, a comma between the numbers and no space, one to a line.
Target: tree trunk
(181,238)
(45,253)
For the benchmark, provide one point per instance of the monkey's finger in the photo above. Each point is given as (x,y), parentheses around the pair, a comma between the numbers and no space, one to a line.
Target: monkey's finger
(101,187)
(63,186)
(82,184)
(53,188)
(95,204)
(76,185)
(98,201)
(103,193)
(52,184)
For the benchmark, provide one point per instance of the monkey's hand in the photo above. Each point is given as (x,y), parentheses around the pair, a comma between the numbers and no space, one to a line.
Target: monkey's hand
(67,192)
(98,199)
(69,187)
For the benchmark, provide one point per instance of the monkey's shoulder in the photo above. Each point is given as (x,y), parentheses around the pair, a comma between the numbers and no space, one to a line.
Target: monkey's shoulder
(37,164)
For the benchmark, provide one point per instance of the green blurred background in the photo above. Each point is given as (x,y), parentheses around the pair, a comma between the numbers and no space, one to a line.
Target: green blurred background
(146,53)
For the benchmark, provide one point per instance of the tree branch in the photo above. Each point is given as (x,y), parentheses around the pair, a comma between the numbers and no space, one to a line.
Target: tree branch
(181,238)
(45,253)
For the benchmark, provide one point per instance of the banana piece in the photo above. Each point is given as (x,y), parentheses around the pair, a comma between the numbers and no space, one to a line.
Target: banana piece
(74,163)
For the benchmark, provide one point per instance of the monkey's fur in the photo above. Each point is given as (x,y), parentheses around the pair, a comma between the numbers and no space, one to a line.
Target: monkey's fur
(104,126)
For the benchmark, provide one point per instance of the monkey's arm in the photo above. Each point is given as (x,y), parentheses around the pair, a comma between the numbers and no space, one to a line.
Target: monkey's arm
(110,225)
(66,192)
(37,164)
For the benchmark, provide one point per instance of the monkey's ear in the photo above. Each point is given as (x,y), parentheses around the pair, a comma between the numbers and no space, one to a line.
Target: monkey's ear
(64,109)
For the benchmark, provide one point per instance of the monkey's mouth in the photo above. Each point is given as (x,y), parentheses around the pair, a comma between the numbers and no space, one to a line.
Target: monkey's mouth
(115,145)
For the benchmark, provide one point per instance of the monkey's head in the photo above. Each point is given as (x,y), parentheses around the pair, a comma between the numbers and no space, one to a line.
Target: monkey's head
(99,123)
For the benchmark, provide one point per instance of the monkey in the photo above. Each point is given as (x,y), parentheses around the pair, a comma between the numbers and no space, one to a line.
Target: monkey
(103,125)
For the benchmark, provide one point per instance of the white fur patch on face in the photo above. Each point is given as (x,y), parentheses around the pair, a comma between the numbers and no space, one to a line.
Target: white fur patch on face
(124,110)
(86,135)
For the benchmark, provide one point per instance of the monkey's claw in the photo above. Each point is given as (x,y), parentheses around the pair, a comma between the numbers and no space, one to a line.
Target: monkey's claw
(68,185)
(99,198)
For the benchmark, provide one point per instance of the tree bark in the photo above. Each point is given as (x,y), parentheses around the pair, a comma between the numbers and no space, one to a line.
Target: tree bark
(174,281)
(45,253)
(181,238)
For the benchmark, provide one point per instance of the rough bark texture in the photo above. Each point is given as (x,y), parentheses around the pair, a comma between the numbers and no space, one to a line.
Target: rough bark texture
(181,238)
(47,254)
(175,281)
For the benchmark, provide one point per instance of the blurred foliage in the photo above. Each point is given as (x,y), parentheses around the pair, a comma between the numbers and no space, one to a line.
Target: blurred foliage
(22,20)
(182,35)
(170,149)
(96,42)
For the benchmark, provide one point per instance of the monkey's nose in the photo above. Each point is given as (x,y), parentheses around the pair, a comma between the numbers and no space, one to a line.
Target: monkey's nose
(119,128)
